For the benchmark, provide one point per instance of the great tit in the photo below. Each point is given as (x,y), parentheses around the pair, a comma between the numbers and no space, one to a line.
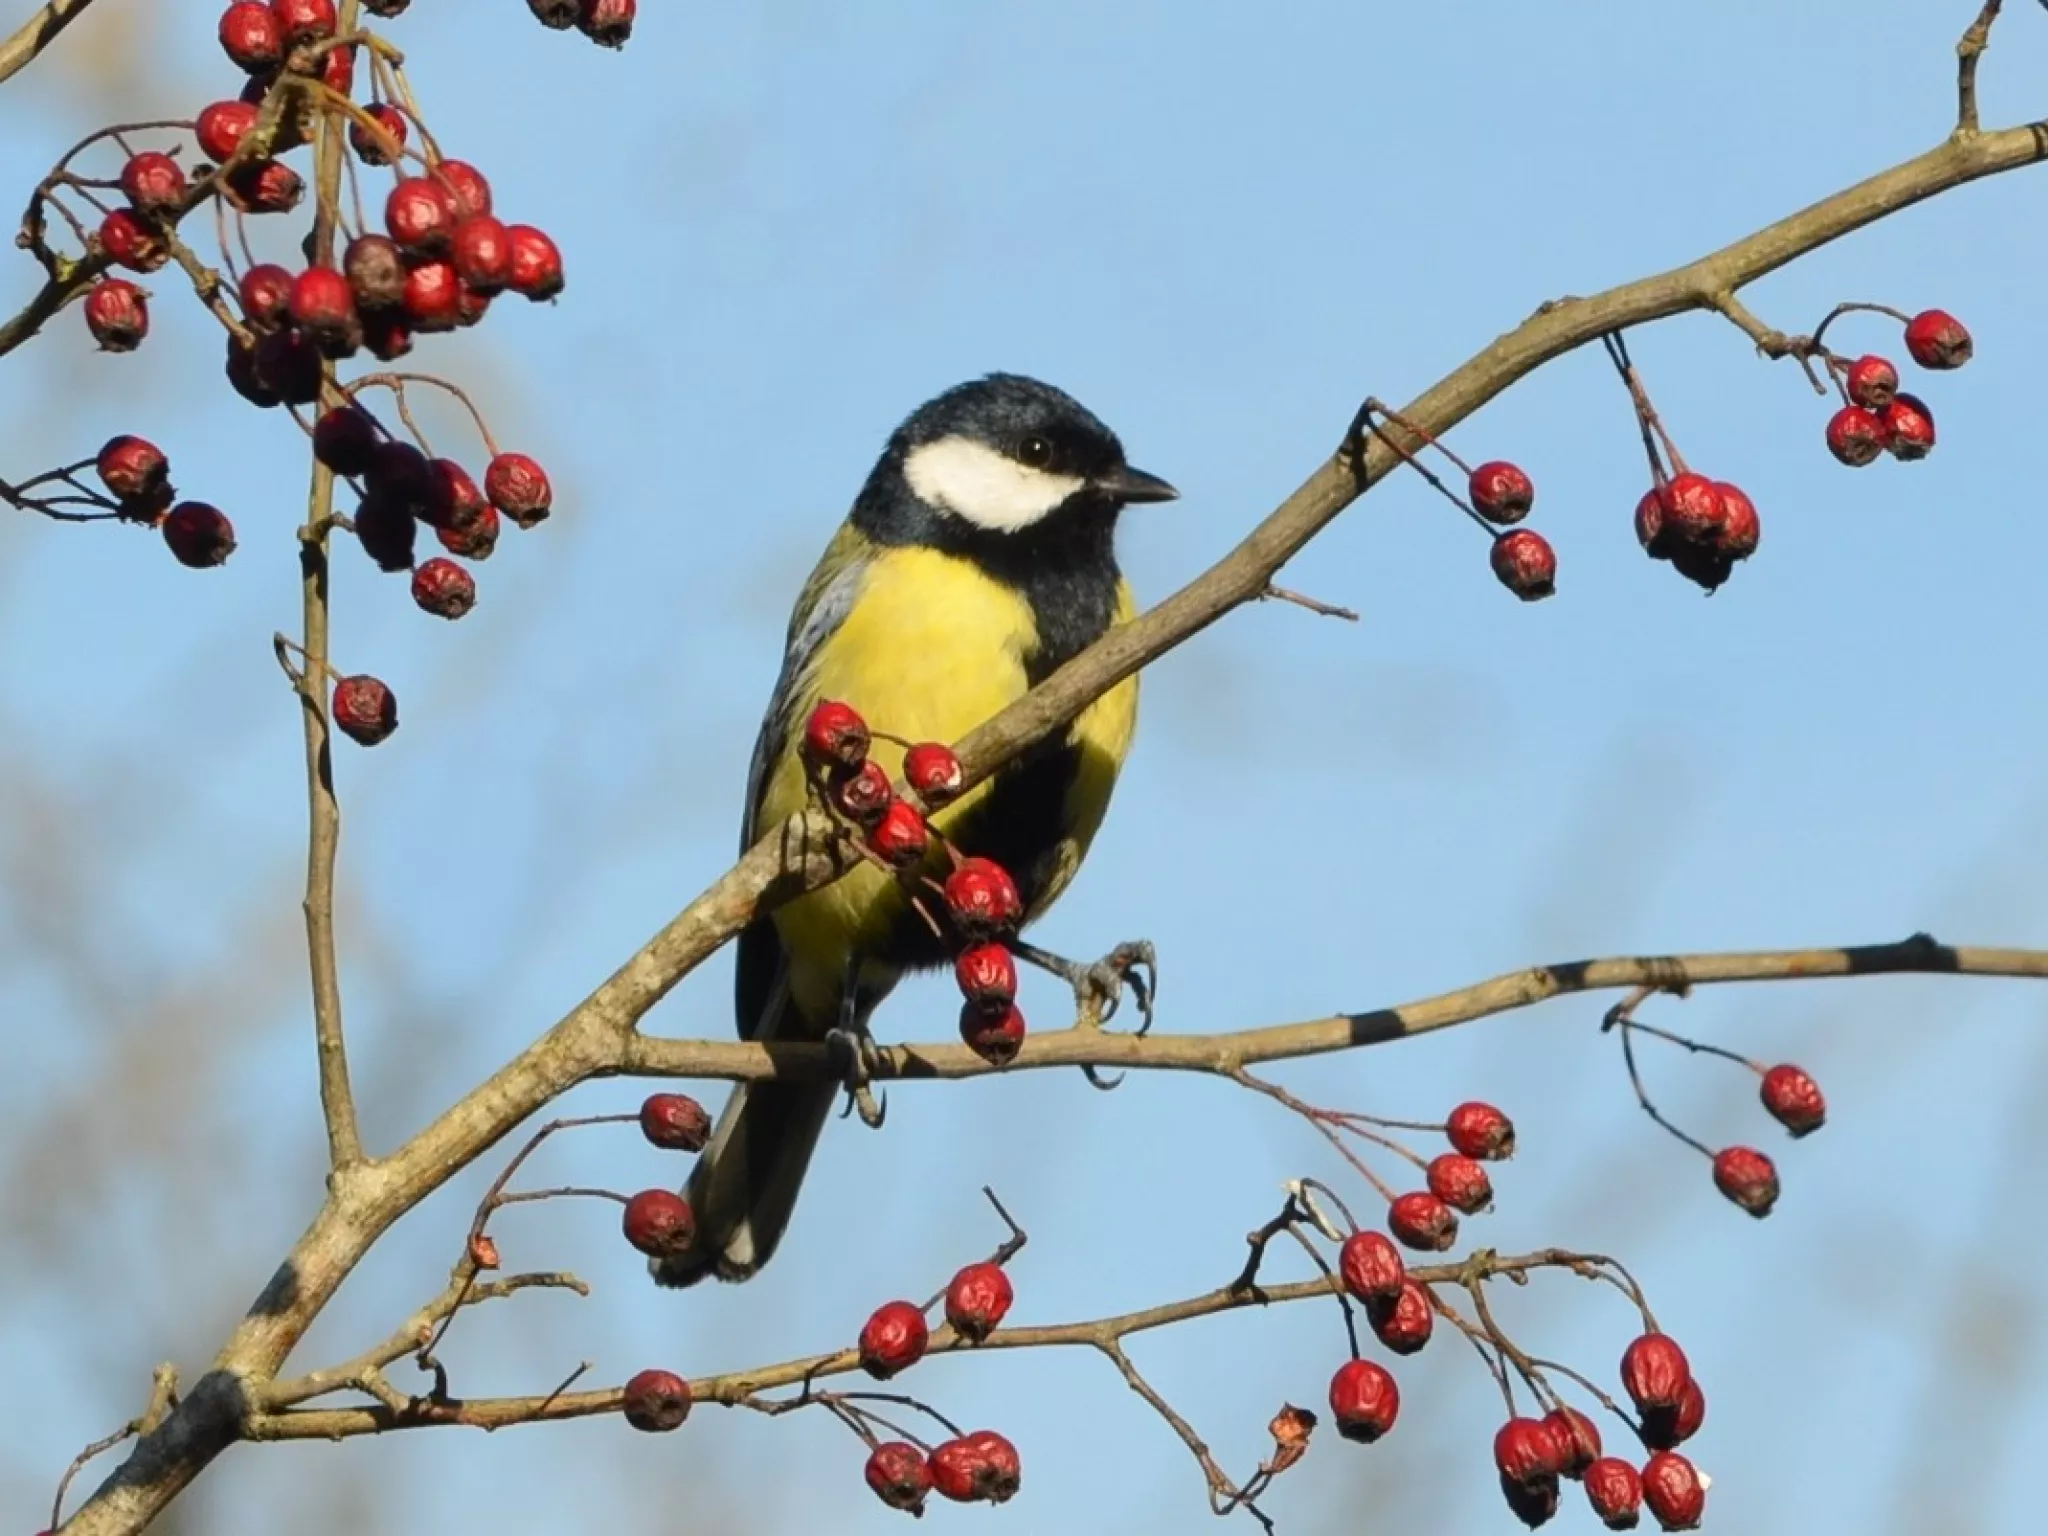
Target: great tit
(979,556)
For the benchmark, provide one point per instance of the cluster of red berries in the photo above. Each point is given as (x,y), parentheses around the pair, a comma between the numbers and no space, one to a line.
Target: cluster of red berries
(1793,1099)
(1877,417)
(607,22)
(1503,493)
(137,474)
(981,901)
(1702,526)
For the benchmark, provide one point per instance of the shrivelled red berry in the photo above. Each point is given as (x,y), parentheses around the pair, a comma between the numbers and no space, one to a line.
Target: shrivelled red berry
(897,1472)
(1364,1400)
(420,215)
(265,291)
(1748,1178)
(443,588)
(153,182)
(1481,1132)
(934,772)
(1666,1428)
(265,186)
(131,243)
(132,468)
(117,314)
(473,540)
(982,1465)
(338,70)
(199,535)
(1693,511)
(899,836)
(220,128)
(1533,1502)
(1578,1437)
(325,309)
(376,273)
(1650,525)
(345,439)
(481,253)
(251,37)
(1525,564)
(373,147)
(1615,1490)
(305,21)
(1937,339)
(433,297)
(1526,1451)
(1403,1322)
(1741,529)
(1793,1099)
(1872,382)
(558,14)
(995,1035)
(675,1122)
(451,498)
(987,974)
(978,1299)
(399,470)
(364,709)
(1460,1183)
(467,185)
(1909,427)
(659,1222)
(470,304)
(519,488)
(386,529)
(835,735)
(1856,436)
(656,1401)
(536,263)
(1674,1491)
(982,898)
(893,1339)
(1654,1372)
(606,22)
(1370,1266)
(864,795)
(288,365)
(1501,492)
(244,378)
(1422,1221)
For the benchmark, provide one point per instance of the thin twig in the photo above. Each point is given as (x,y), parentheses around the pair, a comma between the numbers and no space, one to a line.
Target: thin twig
(1313,605)
(1968,51)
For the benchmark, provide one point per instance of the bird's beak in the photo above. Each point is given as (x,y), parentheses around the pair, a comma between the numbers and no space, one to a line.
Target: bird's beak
(1132,485)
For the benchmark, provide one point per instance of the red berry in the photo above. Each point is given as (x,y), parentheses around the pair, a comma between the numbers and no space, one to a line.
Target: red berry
(131,243)
(675,1122)
(420,215)
(1577,1436)
(1793,1099)
(1691,1414)
(373,147)
(376,273)
(1856,436)
(1533,1503)
(659,1222)
(1937,339)
(1405,1322)
(518,487)
(466,184)
(1650,525)
(987,975)
(305,21)
(893,1339)
(1526,1451)
(1693,511)
(266,294)
(1525,564)
(386,335)
(1909,428)
(364,709)
(558,14)
(1872,382)
(897,1472)
(983,899)
(117,314)
(265,186)
(221,126)
(443,588)
(1422,1221)
(1460,1183)
(450,498)
(933,772)
(899,838)
(345,439)
(386,529)
(472,541)
(132,468)
(1672,1489)
(1654,1372)
(251,37)
(470,305)
(606,22)
(1501,492)
(865,795)
(1740,529)
(153,182)
(982,1465)
(1364,1400)
(835,736)
(995,1037)
(1370,1266)
(1481,1132)
(1615,1490)
(433,297)
(242,375)
(656,1401)
(481,252)
(536,263)
(288,365)
(199,536)
(1748,1178)
(399,470)
(325,309)
(977,1300)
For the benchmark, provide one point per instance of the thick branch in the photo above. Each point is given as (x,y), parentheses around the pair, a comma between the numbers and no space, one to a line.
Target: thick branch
(36,34)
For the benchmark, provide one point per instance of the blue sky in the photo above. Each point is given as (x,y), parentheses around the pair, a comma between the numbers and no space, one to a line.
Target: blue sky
(1219,226)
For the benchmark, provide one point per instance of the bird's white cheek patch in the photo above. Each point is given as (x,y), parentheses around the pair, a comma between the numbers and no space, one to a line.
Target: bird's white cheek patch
(988,488)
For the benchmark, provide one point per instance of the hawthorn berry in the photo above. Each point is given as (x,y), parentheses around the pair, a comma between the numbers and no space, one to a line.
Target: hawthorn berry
(153,182)
(1693,511)
(373,147)
(1654,1372)
(656,1401)
(607,23)
(1793,1099)
(1364,1400)
(199,535)
(481,253)
(1403,1322)
(1690,1415)
(1650,525)
(1872,382)
(897,1472)
(893,1339)
(386,529)
(470,305)
(265,186)
(518,487)
(536,263)
(433,297)
(466,184)
(1460,1183)
(982,898)
(251,37)
(420,215)
(1909,428)
(977,1300)
(1533,1502)
(131,243)
(345,439)
(1422,1221)
(899,836)
(1857,436)
(473,540)
(1937,339)
(993,1035)
(364,709)
(835,735)
(244,378)
(1615,1490)
(1577,1436)
(1526,1451)
(1371,1267)
(987,974)
(288,365)
(1501,492)
(982,1465)
(117,314)
(1525,564)
(450,498)
(443,588)
(1748,1178)
(132,468)
(674,1122)
(1674,1491)
(324,307)
(933,772)
(659,1222)
(376,273)
(1741,529)
(865,795)
(265,291)
(399,470)
(305,21)
(221,128)
(386,335)
(558,15)
(1481,1132)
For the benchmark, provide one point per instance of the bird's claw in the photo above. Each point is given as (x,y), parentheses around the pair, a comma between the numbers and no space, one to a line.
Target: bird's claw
(1099,987)
(857,1058)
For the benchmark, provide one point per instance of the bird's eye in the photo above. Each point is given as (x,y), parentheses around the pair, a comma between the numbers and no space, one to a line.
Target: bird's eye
(1035,451)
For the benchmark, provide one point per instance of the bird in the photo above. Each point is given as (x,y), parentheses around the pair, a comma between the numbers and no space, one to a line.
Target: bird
(978,557)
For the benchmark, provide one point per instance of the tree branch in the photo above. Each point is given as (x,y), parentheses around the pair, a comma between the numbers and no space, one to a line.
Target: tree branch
(36,34)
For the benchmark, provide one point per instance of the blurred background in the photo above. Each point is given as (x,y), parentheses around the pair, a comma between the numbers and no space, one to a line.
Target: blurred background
(785,225)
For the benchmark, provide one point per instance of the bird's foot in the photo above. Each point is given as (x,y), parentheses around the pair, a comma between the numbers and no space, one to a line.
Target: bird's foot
(857,1058)
(1099,985)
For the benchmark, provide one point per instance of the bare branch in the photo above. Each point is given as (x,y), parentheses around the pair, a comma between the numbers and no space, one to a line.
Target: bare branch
(37,33)
(1968,51)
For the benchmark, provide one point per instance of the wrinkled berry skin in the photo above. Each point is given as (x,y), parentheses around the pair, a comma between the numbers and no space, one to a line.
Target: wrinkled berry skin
(1371,1266)
(364,709)
(896,1471)
(1526,1451)
(977,1300)
(675,1122)
(983,899)
(1577,1436)
(835,735)
(1364,1400)
(153,182)
(659,1223)
(1534,1503)
(1872,382)
(1741,529)
(1501,492)
(199,535)
(1856,436)
(987,974)
(129,242)
(994,1035)
(1748,1178)
(132,468)
(899,837)
(518,487)
(1672,1489)
(1423,1222)
(536,263)
(933,772)
(1693,511)
(1460,1183)
(420,215)
(893,1339)
(1615,1490)
(1403,1322)
(1525,564)
(863,796)
(1481,1132)
(117,314)
(1793,1099)
(656,1401)
(1654,1372)
(1937,339)
(443,588)
(978,1466)
(221,126)
(1909,428)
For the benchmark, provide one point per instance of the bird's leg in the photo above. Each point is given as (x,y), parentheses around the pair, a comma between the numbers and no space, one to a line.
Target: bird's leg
(1099,986)
(856,1055)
